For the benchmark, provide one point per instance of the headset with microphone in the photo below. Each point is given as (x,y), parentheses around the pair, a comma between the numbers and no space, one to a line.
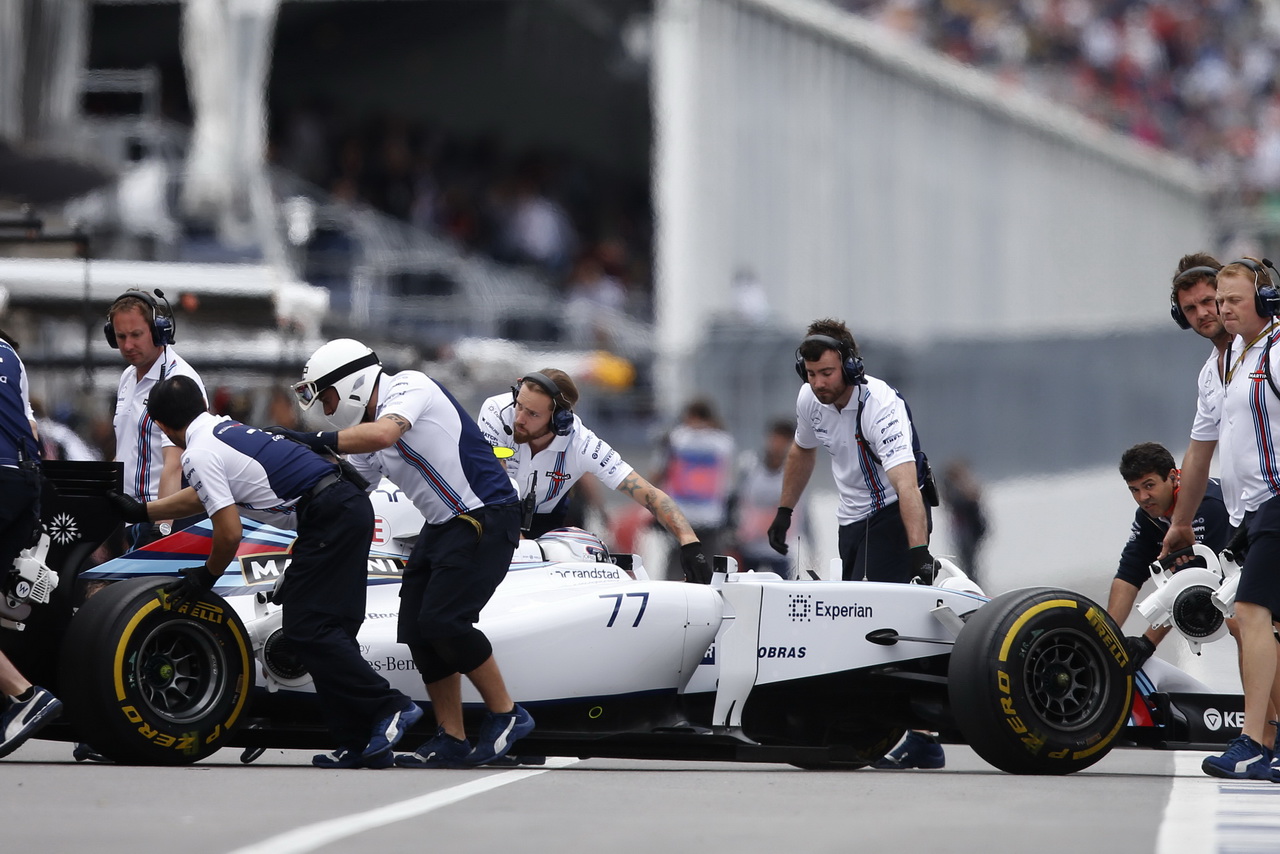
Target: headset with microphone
(851,367)
(561,410)
(1266,299)
(1188,275)
(163,328)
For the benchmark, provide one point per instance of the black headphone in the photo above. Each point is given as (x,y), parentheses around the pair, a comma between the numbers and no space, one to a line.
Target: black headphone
(163,329)
(561,411)
(1266,299)
(850,362)
(1175,310)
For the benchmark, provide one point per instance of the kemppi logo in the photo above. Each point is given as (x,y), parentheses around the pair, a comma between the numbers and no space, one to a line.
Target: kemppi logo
(1215,720)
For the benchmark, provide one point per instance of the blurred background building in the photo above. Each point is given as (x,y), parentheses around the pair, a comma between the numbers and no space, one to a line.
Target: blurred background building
(656,195)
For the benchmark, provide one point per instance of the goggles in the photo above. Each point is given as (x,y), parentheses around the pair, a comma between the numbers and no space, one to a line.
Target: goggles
(308,391)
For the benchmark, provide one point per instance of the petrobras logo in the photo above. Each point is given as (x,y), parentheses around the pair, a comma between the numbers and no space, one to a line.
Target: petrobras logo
(804,608)
(266,567)
(781,652)
(1215,720)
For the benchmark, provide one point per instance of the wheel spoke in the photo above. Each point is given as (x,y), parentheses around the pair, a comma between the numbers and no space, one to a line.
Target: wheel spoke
(1065,677)
(177,671)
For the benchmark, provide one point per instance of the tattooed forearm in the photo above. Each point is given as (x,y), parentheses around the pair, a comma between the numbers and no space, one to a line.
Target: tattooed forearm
(657,502)
(633,484)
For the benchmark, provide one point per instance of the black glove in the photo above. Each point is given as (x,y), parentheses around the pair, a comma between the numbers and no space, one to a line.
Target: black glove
(1239,545)
(778,530)
(1140,648)
(694,563)
(324,442)
(921,564)
(129,508)
(195,582)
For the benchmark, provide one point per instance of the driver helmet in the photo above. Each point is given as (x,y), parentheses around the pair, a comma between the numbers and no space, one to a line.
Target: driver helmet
(347,366)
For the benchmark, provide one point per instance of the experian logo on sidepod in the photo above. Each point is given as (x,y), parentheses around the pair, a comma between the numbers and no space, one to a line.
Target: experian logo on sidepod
(804,608)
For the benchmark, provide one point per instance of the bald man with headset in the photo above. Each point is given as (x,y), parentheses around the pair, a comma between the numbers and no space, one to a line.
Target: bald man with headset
(553,449)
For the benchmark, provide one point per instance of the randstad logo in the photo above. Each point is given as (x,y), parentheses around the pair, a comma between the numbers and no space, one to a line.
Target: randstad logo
(1215,720)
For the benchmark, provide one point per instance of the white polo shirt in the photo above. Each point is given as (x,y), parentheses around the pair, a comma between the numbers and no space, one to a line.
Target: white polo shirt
(228,463)
(442,463)
(861,483)
(1251,422)
(139,441)
(559,465)
(1207,428)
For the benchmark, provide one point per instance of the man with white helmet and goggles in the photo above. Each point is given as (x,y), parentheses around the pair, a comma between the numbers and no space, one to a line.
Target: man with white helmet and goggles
(410,429)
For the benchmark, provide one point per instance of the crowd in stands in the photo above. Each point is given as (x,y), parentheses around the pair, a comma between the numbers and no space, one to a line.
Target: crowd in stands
(1196,77)
(587,229)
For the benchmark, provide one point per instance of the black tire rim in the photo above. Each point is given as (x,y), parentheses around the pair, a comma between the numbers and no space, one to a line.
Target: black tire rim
(1066,679)
(178,671)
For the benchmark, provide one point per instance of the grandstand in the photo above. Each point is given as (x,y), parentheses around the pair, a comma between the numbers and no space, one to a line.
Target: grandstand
(662,179)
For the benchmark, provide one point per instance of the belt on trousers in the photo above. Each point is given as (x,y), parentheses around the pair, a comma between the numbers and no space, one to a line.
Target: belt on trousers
(321,485)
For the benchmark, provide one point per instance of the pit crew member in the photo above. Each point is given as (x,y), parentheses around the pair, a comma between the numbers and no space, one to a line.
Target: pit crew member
(880,471)
(234,468)
(1149,471)
(24,708)
(409,428)
(1248,303)
(554,449)
(144,333)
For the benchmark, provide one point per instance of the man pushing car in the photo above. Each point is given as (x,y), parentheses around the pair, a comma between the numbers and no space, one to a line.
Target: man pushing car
(234,468)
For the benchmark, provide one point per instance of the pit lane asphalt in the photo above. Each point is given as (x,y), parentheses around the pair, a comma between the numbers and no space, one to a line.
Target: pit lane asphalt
(278,804)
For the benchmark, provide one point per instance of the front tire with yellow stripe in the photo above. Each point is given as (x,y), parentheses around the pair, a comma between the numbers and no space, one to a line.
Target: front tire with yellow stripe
(147,685)
(1039,681)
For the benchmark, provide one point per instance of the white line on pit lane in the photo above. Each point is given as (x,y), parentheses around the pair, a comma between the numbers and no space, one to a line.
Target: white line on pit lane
(1206,815)
(314,836)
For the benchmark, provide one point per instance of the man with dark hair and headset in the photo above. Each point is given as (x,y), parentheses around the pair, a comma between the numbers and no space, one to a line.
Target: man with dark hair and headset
(553,449)
(144,335)
(409,428)
(1148,468)
(880,473)
(1248,303)
(238,469)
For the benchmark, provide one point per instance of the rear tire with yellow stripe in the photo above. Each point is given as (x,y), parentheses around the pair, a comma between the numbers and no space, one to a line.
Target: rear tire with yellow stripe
(147,685)
(1039,681)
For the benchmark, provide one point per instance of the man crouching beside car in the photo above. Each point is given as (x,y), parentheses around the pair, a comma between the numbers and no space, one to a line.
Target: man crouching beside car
(235,467)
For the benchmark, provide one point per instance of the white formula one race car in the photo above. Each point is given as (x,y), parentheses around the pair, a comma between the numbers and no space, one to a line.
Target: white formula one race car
(610,663)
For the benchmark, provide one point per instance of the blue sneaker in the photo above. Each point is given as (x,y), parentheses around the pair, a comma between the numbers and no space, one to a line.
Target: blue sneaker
(391,729)
(442,751)
(24,718)
(346,757)
(499,733)
(1244,759)
(917,750)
